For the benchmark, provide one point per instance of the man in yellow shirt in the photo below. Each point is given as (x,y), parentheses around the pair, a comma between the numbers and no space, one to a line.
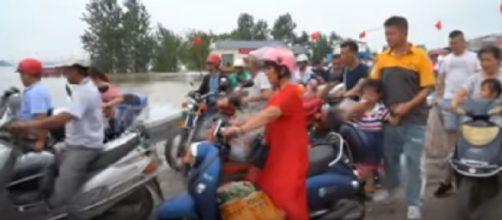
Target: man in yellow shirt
(407,76)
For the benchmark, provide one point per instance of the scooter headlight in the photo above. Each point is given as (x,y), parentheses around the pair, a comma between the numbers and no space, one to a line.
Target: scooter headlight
(479,136)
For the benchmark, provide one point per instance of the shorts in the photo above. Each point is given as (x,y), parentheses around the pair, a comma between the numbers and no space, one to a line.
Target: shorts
(450,120)
(373,147)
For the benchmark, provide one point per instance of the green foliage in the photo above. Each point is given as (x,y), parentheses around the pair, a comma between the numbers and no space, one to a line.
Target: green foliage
(245,25)
(333,36)
(138,42)
(303,39)
(194,56)
(321,48)
(167,51)
(260,30)
(103,38)
(119,38)
(284,28)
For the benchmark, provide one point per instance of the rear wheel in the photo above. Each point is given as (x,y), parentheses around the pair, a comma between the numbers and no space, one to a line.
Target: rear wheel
(175,149)
(137,206)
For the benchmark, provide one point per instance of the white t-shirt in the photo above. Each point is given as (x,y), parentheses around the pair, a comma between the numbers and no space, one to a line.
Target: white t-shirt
(303,79)
(87,129)
(260,82)
(457,69)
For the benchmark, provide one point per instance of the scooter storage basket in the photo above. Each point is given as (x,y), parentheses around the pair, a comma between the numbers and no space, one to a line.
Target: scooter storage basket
(256,206)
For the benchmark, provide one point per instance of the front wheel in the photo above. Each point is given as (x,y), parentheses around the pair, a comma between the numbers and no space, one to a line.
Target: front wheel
(137,206)
(175,149)
(474,194)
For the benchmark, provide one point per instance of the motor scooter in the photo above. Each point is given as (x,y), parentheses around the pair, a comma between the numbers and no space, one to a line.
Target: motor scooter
(477,159)
(333,187)
(121,182)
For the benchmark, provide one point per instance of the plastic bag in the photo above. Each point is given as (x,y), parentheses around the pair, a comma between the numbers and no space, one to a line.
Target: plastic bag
(256,206)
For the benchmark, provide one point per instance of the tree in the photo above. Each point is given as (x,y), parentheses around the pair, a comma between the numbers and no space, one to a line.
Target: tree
(138,42)
(103,38)
(321,48)
(333,36)
(167,52)
(245,25)
(284,28)
(260,30)
(303,39)
(193,56)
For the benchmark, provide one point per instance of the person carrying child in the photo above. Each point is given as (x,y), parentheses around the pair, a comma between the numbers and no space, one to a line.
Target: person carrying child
(368,117)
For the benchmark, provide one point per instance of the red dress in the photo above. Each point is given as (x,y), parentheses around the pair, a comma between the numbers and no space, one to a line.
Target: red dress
(285,173)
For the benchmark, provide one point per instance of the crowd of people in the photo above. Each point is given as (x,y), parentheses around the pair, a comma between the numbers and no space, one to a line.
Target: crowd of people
(390,115)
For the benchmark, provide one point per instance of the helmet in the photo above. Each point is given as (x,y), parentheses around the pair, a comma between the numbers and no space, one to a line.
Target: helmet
(302,58)
(239,63)
(30,66)
(281,57)
(214,58)
(82,61)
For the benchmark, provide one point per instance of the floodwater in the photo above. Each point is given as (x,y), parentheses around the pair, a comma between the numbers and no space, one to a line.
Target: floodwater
(165,91)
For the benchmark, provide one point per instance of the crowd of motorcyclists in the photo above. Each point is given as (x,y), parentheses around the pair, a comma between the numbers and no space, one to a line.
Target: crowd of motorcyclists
(389,112)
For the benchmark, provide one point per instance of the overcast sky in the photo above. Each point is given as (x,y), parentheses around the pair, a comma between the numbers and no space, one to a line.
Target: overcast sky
(51,29)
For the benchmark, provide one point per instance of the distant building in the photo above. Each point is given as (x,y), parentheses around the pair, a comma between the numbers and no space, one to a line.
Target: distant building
(231,50)
(52,72)
(363,46)
(300,49)
(491,39)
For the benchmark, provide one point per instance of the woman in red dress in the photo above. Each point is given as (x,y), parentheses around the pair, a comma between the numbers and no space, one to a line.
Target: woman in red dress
(285,173)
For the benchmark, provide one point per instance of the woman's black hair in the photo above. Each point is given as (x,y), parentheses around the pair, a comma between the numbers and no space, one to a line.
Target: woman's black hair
(97,73)
(281,69)
(493,50)
(494,85)
(373,84)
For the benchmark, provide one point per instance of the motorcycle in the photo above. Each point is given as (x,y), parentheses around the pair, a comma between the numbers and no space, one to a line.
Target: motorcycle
(333,188)
(195,120)
(477,158)
(121,182)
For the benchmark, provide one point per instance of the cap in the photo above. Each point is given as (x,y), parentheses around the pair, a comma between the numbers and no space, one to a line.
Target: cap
(30,66)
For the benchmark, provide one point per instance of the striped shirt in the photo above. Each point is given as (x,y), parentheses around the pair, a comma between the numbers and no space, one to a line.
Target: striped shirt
(373,120)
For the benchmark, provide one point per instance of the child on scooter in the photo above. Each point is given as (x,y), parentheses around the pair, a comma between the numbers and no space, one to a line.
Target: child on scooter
(491,89)
(369,116)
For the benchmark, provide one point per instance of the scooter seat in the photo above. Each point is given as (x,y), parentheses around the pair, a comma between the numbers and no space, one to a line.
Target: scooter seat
(319,158)
(31,164)
(115,150)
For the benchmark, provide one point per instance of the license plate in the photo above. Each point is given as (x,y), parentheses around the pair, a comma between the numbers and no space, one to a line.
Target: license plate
(180,122)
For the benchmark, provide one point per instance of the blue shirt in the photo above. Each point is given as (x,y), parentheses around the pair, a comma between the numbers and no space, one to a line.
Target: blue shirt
(213,86)
(352,77)
(36,100)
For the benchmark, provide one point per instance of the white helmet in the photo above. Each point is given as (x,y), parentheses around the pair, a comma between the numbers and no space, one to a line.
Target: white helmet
(302,58)
(239,63)
(82,60)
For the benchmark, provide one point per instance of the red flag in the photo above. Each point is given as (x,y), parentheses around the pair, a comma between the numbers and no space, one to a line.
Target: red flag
(197,40)
(500,7)
(438,25)
(362,35)
(316,36)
